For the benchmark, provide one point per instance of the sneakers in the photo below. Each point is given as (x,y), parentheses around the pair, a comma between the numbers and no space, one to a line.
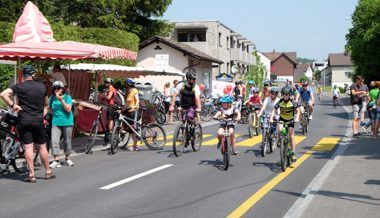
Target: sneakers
(355,135)
(293,156)
(310,117)
(55,164)
(69,163)
(133,149)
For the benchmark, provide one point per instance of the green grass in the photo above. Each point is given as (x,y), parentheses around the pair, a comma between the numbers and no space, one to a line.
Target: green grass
(326,88)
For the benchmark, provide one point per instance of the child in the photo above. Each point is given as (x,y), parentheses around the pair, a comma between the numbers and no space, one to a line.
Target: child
(255,100)
(228,112)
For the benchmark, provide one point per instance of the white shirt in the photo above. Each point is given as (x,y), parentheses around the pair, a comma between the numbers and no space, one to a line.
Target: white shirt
(269,105)
(335,92)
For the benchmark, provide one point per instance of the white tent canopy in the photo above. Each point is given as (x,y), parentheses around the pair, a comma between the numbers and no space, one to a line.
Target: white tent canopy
(117,68)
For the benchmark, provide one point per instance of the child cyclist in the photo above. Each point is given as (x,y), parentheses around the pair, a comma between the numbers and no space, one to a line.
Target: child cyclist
(255,99)
(287,109)
(228,112)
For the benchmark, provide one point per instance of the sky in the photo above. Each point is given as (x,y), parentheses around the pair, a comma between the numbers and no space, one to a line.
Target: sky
(312,28)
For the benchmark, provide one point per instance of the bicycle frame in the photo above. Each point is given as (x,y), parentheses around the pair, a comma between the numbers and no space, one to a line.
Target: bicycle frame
(125,120)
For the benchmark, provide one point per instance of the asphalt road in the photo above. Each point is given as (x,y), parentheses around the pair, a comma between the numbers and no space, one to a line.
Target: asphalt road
(193,185)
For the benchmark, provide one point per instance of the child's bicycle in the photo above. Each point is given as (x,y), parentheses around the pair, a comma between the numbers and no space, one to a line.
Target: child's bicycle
(285,152)
(225,144)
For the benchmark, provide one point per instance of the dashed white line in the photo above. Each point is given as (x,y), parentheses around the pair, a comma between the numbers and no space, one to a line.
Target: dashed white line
(121,182)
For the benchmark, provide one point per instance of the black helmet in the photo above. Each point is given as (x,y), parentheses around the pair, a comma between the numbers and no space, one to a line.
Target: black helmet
(286,90)
(28,71)
(191,75)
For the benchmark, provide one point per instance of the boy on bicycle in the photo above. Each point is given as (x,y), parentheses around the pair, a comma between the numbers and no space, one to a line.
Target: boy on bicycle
(287,109)
(255,100)
(228,112)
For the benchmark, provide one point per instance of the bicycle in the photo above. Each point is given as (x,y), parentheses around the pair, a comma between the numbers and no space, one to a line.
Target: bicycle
(268,135)
(159,115)
(253,121)
(225,143)
(153,135)
(305,118)
(185,133)
(285,152)
(94,131)
(207,111)
(11,147)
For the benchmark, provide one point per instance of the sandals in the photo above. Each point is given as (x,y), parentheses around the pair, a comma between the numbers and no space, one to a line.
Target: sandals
(49,176)
(30,179)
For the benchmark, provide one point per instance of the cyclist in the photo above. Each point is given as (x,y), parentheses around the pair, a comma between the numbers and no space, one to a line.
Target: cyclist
(255,99)
(294,94)
(335,93)
(132,104)
(287,109)
(227,112)
(269,102)
(307,97)
(189,93)
(319,92)
(265,92)
(251,85)
(110,98)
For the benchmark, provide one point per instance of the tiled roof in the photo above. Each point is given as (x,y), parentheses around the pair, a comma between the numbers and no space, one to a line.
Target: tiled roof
(340,59)
(300,71)
(187,49)
(275,55)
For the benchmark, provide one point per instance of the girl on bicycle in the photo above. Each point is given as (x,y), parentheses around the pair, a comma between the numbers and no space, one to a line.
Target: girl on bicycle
(228,112)
(132,104)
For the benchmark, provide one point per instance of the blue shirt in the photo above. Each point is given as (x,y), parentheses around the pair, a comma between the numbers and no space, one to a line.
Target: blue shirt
(60,116)
(305,94)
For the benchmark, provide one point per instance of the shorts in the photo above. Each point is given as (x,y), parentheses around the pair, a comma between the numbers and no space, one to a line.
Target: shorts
(335,97)
(290,122)
(228,126)
(372,114)
(355,110)
(110,113)
(178,103)
(167,105)
(378,113)
(32,132)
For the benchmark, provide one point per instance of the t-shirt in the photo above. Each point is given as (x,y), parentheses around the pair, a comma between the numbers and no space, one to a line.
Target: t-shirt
(364,87)
(130,99)
(335,92)
(31,96)
(305,94)
(112,100)
(229,113)
(373,94)
(167,95)
(287,109)
(60,116)
(355,99)
(172,91)
(254,100)
(269,105)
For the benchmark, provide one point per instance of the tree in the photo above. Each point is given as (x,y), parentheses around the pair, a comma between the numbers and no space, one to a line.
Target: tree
(317,75)
(305,60)
(362,38)
(256,72)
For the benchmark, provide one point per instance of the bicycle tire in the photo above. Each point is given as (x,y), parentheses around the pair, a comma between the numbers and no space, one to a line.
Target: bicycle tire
(160,117)
(125,140)
(91,138)
(17,168)
(271,141)
(282,154)
(196,146)
(264,144)
(250,125)
(154,136)
(206,113)
(226,155)
(179,140)
(115,137)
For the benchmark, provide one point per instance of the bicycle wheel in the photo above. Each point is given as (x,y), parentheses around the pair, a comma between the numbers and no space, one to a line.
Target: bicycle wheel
(115,137)
(154,136)
(124,139)
(206,113)
(264,143)
(196,141)
(160,117)
(271,142)
(250,126)
(282,154)
(226,154)
(179,140)
(91,138)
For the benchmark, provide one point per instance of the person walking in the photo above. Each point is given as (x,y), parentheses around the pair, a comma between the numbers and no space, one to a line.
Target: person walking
(356,102)
(177,100)
(167,98)
(132,105)
(62,123)
(32,103)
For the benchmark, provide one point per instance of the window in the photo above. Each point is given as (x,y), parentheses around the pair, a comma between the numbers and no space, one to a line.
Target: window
(220,39)
(348,74)
(228,67)
(182,37)
(227,42)
(192,36)
(232,43)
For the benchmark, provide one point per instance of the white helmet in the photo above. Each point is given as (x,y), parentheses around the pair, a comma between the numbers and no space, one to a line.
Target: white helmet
(58,84)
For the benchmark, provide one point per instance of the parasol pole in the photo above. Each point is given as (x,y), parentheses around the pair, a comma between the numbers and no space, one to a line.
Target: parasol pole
(69,84)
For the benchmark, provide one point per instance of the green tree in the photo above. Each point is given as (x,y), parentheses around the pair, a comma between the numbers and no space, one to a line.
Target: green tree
(305,60)
(362,38)
(317,75)
(256,72)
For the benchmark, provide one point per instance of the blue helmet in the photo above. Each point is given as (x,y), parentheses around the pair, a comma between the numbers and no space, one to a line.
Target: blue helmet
(251,82)
(226,99)
(130,81)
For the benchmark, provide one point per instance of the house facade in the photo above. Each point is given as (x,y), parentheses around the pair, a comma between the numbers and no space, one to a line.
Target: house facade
(303,70)
(266,62)
(170,55)
(339,69)
(283,64)
(219,41)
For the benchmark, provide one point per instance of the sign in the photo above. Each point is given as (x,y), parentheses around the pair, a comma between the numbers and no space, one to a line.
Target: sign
(224,77)
(162,61)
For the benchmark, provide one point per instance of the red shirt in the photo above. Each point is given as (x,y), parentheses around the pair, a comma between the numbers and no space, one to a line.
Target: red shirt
(254,100)
(112,100)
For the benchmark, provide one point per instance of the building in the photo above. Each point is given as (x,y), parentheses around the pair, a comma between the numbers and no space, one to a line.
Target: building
(219,41)
(339,70)
(283,64)
(166,54)
(301,71)
(266,62)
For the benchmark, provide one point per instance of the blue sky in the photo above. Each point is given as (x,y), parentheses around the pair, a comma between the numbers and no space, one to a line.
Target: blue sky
(312,28)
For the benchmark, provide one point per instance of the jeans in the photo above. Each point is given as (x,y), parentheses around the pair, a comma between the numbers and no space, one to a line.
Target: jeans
(56,133)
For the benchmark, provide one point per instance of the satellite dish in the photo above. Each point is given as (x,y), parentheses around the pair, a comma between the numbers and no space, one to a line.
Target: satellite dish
(234,69)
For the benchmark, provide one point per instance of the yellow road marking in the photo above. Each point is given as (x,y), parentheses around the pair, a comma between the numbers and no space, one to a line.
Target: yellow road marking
(326,144)
(251,201)
(214,141)
(170,143)
(250,142)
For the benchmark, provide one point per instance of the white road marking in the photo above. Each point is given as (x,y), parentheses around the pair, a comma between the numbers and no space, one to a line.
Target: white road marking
(121,182)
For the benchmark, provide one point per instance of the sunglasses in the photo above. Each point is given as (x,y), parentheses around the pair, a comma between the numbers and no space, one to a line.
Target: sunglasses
(57,88)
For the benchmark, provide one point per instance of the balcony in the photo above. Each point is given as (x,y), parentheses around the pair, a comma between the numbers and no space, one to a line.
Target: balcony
(236,54)
(201,46)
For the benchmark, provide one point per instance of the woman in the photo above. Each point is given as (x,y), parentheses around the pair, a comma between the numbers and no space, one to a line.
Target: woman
(177,100)
(62,123)
(167,97)
(132,105)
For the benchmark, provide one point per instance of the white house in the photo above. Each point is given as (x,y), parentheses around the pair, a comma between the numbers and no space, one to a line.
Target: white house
(339,69)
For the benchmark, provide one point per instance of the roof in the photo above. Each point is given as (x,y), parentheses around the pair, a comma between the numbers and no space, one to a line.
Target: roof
(300,71)
(187,49)
(340,59)
(273,56)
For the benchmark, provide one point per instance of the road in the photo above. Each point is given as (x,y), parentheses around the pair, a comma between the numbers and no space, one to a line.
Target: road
(157,184)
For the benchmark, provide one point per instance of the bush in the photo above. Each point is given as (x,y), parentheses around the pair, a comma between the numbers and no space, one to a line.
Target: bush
(341,89)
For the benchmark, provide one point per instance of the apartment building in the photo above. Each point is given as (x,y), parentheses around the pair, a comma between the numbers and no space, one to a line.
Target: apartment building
(218,41)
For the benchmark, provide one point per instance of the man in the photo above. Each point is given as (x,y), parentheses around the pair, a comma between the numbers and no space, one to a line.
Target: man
(32,102)
(307,97)
(189,93)
(110,98)
(356,101)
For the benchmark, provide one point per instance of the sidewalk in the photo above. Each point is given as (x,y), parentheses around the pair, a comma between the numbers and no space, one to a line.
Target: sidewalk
(349,184)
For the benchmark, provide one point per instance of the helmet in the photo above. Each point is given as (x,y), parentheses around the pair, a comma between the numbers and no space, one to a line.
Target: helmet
(251,82)
(108,80)
(334,86)
(255,90)
(58,84)
(191,75)
(236,82)
(274,90)
(28,71)
(226,99)
(240,82)
(286,90)
(130,81)
(305,83)
(266,82)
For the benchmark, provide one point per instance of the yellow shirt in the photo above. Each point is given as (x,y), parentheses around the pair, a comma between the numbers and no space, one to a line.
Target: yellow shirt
(131,100)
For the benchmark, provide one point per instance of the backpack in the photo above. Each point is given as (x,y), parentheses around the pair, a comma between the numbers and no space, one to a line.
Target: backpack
(119,100)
